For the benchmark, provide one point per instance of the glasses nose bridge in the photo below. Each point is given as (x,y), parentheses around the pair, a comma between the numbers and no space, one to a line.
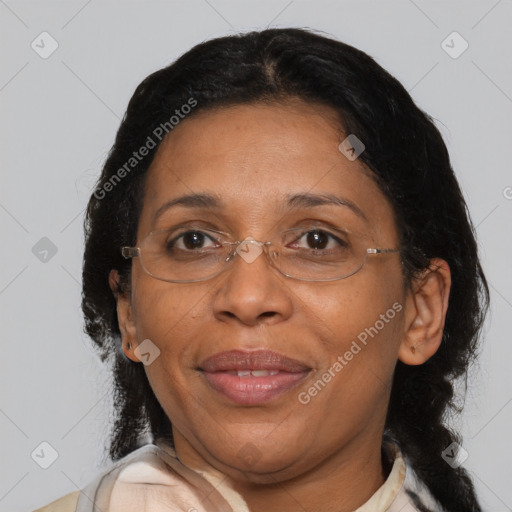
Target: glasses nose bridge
(250,250)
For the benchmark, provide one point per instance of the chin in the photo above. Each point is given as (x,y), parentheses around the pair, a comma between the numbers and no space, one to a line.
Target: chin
(250,464)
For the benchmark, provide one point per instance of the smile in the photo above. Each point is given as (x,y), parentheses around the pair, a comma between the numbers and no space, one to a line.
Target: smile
(252,378)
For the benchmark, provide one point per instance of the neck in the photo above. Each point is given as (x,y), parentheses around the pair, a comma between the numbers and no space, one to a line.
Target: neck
(341,482)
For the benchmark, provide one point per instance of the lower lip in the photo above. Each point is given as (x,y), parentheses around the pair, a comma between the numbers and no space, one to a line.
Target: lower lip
(250,390)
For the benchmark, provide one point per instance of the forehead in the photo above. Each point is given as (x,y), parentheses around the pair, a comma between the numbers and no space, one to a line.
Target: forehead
(252,156)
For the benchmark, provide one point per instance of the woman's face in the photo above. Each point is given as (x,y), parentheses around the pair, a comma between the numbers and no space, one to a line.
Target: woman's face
(344,334)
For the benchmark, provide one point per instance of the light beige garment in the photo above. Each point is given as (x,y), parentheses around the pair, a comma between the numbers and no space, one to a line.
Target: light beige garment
(65,504)
(152,478)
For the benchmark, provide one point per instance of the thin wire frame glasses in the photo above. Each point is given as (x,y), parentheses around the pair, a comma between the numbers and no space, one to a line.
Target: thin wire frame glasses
(162,257)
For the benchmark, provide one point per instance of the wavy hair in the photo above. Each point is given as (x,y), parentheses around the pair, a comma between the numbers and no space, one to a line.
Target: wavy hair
(410,162)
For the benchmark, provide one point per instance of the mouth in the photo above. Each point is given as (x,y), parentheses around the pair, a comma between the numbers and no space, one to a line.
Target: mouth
(252,378)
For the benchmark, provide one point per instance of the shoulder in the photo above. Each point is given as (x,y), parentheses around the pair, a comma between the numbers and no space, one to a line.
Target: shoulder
(143,480)
(71,502)
(67,503)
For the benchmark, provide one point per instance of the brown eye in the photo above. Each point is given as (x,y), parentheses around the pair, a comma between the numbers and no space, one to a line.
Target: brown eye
(189,241)
(319,240)
(193,239)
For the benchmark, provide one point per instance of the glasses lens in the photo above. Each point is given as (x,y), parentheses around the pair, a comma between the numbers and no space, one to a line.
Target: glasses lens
(319,256)
(183,256)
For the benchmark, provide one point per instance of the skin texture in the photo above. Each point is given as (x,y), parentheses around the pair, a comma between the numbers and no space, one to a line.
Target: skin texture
(325,455)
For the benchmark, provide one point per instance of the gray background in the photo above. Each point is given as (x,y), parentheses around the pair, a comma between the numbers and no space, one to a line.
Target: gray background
(59,116)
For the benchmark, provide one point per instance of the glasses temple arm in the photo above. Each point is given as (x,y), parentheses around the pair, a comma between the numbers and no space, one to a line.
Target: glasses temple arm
(130,252)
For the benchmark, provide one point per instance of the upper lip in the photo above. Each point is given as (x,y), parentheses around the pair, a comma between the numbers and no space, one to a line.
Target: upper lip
(254,360)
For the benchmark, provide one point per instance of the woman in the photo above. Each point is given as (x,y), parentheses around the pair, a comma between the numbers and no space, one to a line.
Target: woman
(281,270)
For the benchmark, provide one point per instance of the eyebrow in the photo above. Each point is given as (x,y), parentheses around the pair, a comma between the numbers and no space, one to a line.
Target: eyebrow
(293,202)
(297,201)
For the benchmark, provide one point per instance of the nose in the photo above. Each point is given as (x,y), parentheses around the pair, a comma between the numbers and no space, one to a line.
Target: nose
(251,291)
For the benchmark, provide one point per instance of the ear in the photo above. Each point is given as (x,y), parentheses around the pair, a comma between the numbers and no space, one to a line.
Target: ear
(124,317)
(425,314)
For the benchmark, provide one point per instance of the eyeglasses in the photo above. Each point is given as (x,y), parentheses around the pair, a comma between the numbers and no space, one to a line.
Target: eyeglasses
(200,254)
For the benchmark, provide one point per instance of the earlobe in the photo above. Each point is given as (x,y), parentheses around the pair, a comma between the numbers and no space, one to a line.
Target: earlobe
(425,314)
(124,317)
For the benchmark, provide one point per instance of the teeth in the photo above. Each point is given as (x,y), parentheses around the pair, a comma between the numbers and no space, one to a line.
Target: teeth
(263,373)
(256,373)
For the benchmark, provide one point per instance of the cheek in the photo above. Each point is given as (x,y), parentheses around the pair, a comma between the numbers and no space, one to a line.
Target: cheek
(160,308)
(171,316)
(360,324)
(355,306)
